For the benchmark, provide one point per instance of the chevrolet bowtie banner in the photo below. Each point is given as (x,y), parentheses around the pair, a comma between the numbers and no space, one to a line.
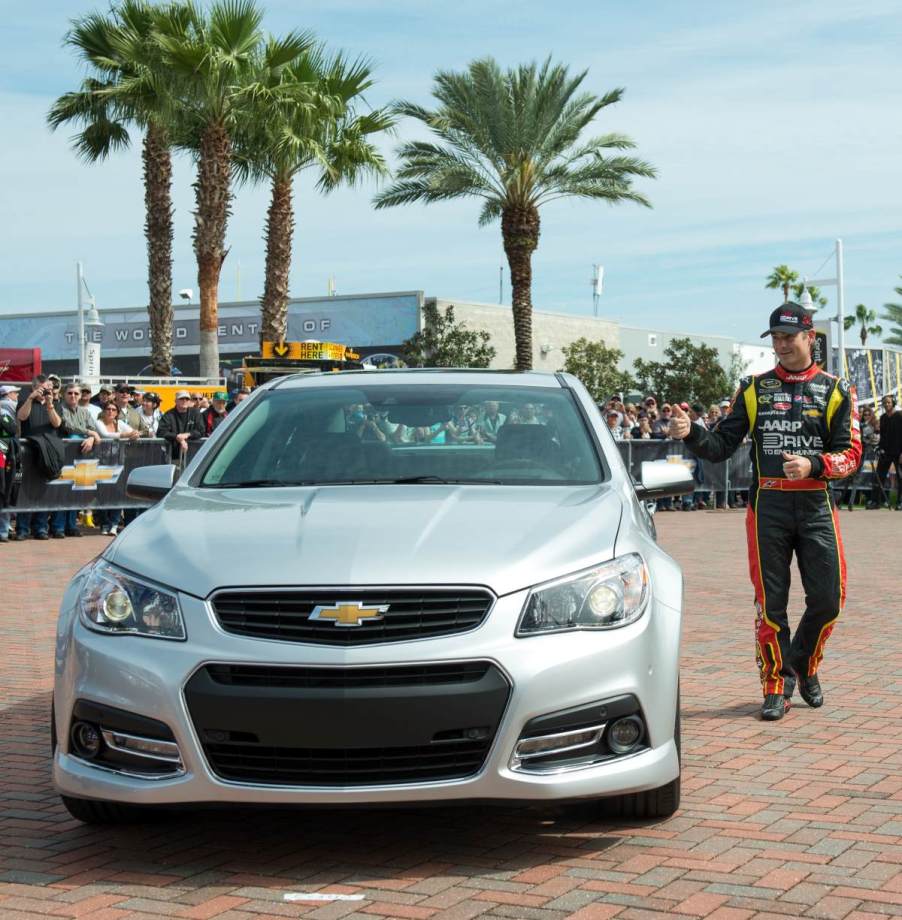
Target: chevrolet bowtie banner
(87,481)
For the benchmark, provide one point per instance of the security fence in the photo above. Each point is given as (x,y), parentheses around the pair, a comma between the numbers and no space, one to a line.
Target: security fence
(97,480)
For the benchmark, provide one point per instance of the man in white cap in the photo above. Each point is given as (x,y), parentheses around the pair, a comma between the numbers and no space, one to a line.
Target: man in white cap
(180,425)
(9,396)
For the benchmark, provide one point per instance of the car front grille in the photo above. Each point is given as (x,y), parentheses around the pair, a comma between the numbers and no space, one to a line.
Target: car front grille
(347,726)
(248,762)
(284,614)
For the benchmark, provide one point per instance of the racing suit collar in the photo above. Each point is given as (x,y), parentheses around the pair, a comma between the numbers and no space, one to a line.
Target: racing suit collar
(797,376)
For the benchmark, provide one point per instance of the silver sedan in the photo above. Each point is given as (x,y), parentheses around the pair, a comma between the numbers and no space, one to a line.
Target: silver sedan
(403,586)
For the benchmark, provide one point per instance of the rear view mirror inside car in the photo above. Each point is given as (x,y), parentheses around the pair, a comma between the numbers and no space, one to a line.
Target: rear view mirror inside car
(419,416)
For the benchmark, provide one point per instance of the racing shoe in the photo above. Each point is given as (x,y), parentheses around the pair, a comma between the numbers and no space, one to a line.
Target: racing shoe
(774,707)
(810,691)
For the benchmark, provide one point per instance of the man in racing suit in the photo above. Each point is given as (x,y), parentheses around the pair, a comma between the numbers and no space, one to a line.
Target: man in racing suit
(804,431)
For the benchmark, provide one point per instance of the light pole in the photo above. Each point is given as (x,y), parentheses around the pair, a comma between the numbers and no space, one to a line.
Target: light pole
(88,352)
(597,286)
(92,322)
(840,367)
(79,282)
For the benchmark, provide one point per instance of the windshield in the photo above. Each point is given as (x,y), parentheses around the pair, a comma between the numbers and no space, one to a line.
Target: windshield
(415,433)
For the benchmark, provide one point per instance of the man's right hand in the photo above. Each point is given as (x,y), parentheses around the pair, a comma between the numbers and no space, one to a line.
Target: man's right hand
(680,424)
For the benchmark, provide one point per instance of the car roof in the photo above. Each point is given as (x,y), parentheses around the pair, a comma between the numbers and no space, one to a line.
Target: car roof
(421,375)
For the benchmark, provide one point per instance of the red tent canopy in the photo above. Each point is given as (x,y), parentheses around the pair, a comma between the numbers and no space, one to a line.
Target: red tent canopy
(19,365)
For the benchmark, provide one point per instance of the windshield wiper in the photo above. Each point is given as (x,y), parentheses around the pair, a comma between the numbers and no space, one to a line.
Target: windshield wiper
(258,484)
(405,480)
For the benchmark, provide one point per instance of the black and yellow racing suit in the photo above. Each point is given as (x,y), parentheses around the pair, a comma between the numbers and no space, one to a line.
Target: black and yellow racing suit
(812,414)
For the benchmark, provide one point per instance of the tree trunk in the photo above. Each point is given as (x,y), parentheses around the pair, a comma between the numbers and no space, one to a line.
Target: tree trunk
(520,232)
(785,292)
(157,157)
(279,232)
(212,192)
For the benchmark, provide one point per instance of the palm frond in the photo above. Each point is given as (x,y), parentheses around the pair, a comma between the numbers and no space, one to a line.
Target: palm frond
(491,211)
(99,139)
(234,27)
(283,52)
(421,190)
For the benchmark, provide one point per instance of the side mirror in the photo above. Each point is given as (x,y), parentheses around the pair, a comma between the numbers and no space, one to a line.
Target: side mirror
(661,479)
(151,483)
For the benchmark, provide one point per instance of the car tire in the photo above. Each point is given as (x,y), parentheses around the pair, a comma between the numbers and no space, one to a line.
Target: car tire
(662,802)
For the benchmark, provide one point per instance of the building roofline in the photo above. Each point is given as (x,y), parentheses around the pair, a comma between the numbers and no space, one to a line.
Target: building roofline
(253,304)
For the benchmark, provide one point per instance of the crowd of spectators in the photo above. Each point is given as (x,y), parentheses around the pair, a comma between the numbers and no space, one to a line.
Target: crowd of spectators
(49,413)
(477,424)
(628,421)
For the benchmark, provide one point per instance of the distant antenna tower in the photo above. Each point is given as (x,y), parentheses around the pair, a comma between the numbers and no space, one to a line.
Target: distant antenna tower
(597,286)
(331,285)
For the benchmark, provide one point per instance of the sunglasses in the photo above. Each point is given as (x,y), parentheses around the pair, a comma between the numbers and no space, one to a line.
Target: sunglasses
(73,392)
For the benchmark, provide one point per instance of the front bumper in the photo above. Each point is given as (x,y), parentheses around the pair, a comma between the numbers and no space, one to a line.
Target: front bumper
(545,674)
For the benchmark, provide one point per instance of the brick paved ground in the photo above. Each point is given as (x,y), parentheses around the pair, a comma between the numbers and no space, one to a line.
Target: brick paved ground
(797,818)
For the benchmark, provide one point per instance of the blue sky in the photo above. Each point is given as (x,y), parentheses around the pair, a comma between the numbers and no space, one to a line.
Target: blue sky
(775,128)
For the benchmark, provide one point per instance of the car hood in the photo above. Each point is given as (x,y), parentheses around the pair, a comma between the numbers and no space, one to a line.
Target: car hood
(504,537)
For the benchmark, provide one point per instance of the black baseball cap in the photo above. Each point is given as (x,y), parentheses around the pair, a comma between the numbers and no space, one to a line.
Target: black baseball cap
(789,317)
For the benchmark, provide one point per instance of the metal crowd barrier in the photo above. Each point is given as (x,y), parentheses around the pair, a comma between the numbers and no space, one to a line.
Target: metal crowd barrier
(97,480)
(90,481)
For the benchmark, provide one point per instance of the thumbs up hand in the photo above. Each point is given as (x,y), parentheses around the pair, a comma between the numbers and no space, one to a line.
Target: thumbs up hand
(796,467)
(679,423)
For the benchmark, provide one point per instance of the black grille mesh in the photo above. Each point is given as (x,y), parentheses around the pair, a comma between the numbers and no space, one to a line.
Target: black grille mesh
(244,762)
(347,678)
(413,614)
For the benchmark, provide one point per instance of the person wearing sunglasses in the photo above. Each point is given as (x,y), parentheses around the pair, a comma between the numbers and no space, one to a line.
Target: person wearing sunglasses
(78,424)
(111,426)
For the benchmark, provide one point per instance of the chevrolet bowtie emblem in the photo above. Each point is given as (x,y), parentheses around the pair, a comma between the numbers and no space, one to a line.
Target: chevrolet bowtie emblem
(85,474)
(355,613)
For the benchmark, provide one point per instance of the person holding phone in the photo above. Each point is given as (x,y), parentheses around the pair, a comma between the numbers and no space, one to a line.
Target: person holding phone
(38,415)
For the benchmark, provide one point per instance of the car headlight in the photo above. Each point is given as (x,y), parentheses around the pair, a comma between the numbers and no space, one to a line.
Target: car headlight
(113,602)
(605,597)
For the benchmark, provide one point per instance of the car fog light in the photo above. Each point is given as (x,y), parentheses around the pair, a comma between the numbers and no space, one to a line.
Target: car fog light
(86,740)
(152,748)
(625,734)
(531,751)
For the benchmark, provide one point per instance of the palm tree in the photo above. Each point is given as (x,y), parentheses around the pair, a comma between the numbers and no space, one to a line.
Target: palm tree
(868,320)
(894,315)
(127,89)
(216,58)
(512,139)
(282,140)
(782,277)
